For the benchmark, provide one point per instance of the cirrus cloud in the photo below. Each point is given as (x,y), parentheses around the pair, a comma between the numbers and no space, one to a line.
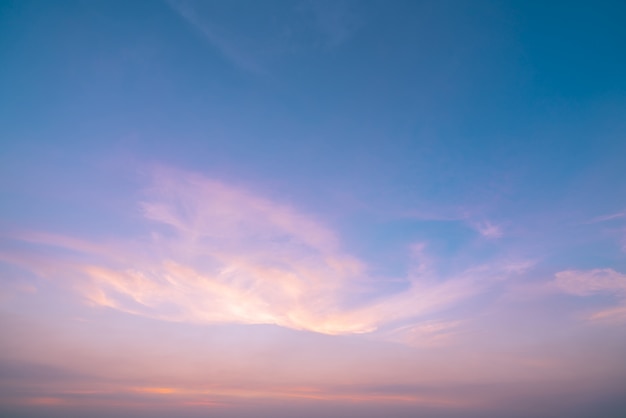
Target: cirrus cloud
(596,281)
(221,254)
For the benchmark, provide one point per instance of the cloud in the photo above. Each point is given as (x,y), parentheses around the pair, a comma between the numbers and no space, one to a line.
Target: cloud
(252,40)
(616,220)
(610,217)
(585,283)
(597,281)
(426,334)
(487,229)
(334,20)
(215,253)
(216,37)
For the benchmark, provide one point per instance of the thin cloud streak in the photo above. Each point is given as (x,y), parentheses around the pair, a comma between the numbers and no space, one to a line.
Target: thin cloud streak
(212,34)
(610,217)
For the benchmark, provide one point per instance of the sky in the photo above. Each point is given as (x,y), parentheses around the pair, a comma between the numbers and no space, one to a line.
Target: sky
(305,208)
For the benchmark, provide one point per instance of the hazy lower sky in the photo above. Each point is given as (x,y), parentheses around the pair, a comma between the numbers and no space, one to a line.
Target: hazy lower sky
(237,209)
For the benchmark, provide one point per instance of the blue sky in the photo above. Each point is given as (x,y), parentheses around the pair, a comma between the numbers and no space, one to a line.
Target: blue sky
(440,179)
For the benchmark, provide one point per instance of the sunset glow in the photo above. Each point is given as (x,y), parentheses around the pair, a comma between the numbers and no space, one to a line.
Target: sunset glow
(237,209)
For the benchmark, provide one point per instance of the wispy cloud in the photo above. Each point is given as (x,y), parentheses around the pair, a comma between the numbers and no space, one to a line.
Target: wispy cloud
(597,281)
(216,37)
(488,229)
(300,26)
(426,334)
(485,228)
(589,282)
(335,20)
(219,397)
(610,217)
(218,253)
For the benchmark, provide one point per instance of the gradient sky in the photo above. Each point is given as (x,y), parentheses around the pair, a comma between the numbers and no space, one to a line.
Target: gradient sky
(236,209)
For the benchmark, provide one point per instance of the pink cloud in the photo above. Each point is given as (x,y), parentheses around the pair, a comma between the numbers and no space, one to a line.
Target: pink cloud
(590,282)
(585,283)
(221,254)
(426,334)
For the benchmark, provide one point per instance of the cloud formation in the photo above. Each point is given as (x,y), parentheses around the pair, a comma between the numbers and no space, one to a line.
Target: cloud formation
(487,229)
(221,254)
(597,281)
